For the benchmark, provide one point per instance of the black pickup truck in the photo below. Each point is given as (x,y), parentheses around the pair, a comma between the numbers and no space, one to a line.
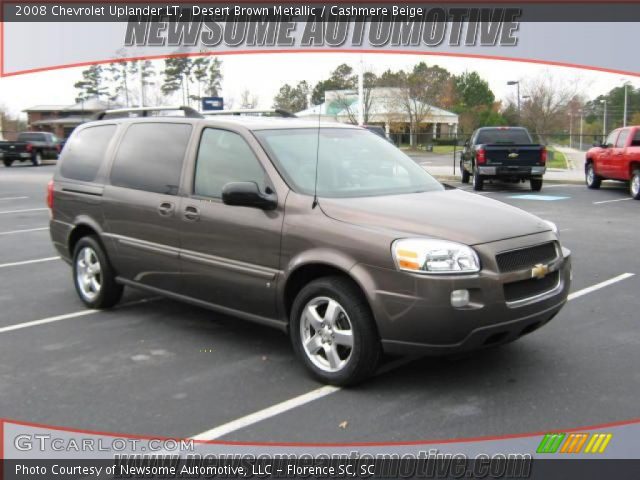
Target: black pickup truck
(30,147)
(504,153)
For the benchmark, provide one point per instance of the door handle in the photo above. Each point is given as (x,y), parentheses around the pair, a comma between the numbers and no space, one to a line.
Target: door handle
(192,213)
(165,208)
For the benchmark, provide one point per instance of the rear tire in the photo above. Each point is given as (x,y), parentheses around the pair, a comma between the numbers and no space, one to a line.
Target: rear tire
(93,275)
(536,184)
(465,175)
(339,348)
(634,185)
(478,181)
(36,159)
(592,180)
(7,163)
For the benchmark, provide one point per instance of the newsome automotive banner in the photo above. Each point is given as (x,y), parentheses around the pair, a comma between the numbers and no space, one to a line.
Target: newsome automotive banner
(545,32)
(321,240)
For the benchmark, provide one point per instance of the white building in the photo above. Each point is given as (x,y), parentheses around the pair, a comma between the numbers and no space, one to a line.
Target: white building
(385,108)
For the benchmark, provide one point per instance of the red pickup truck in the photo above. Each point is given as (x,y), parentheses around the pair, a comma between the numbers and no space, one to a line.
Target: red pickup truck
(618,158)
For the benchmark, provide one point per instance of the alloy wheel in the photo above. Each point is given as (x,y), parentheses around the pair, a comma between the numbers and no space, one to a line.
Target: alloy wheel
(326,334)
(88,273)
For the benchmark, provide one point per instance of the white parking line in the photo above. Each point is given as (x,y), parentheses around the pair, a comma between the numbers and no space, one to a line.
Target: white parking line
(13,198)
(600,285)
(66,316)
(285,406)
(28,262)
(24,231)
(611,201)
(23,211)
(269,412)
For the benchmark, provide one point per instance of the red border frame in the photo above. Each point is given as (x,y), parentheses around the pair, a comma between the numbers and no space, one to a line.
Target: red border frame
(602,426)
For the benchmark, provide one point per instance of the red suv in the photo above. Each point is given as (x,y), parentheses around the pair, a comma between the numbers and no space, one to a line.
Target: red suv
(617,159)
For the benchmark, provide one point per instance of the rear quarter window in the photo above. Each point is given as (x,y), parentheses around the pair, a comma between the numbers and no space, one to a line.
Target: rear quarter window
(150,157)
(84,152)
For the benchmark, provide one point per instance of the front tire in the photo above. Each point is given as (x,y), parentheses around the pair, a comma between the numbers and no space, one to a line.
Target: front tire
(634,185)
(478,181)
(333,332)
(36,159)
(536,184)
(93,275)
(7,163)
(592,180)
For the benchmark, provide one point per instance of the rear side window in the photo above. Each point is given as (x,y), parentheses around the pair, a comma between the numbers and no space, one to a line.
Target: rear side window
(224,157)
(636,139)
(622,139)
(150,157)
(84,152)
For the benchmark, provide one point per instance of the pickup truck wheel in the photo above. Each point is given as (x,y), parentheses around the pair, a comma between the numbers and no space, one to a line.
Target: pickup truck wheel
(333,332)
(94,276)
(592,180)
(464,173)
(634,185)
(7,163)
(478,181)
(36,160)
(536,184)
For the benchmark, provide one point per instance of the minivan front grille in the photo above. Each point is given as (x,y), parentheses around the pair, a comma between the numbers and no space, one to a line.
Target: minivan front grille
(526,257)
(532,287)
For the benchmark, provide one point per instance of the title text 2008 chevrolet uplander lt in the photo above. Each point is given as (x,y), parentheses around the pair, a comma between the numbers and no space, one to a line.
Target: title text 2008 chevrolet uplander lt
(221,212)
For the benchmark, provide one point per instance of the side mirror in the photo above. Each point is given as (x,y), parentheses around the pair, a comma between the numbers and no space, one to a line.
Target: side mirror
(247,194)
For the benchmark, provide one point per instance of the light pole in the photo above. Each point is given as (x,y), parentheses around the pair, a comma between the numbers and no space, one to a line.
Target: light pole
(624,120)
(517,83)
(604,119)
(570,129)
(581,117)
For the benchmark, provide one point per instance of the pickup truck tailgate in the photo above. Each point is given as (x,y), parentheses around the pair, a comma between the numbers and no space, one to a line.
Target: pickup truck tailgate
(513,155)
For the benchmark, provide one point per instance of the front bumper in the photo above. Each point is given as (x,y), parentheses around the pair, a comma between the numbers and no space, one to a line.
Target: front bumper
(515,171)
(414,312)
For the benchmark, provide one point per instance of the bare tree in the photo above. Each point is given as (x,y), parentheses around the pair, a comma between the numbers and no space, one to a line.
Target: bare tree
(347,101)
(247,100)
(548,101)
(419,90)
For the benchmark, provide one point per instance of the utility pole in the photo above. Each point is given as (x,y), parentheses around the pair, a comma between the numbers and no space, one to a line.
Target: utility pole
(517,83)
(141,78)
(604,120)
(361,93)
(570,130)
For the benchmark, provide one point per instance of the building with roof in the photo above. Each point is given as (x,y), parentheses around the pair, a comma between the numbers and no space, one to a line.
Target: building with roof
(385,108)
(62,119)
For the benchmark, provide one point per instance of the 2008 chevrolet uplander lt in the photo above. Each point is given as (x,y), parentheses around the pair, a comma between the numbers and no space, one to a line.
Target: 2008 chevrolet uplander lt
(223,213)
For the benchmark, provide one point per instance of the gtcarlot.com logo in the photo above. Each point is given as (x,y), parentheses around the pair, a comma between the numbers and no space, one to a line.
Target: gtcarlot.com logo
(574,443)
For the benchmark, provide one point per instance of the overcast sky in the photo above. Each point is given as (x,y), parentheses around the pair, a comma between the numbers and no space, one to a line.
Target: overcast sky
(264,74)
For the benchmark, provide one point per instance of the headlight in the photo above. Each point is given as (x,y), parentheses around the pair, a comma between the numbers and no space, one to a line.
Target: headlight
(434,256)
(552,226)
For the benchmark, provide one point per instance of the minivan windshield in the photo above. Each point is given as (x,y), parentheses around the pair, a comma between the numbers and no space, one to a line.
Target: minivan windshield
(351,163)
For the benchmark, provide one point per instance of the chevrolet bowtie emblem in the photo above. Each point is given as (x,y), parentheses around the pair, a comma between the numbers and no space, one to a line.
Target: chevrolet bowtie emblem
(514,155)
(539,271)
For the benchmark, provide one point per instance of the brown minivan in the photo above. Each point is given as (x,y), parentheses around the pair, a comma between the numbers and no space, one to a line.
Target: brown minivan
(325,231)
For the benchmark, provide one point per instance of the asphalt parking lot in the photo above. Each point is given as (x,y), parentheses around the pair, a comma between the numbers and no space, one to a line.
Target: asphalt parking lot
(154,366)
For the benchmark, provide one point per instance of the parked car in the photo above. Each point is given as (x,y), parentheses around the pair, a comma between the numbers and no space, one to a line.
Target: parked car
(618,158)
(30,147)
(328,232)
(504,153)
(378,130)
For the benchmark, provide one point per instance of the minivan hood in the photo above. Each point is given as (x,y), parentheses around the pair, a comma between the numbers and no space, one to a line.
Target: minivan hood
(450,214)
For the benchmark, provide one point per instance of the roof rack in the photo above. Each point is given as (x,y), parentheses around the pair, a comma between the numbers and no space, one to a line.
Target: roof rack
(144,112)
(253,112)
